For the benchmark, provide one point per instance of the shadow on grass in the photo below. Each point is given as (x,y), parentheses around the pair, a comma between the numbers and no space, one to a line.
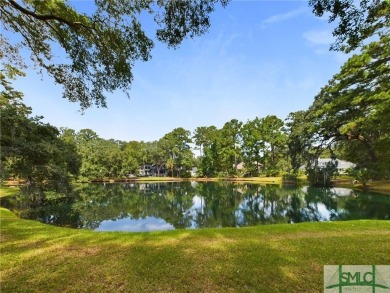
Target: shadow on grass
(280,258)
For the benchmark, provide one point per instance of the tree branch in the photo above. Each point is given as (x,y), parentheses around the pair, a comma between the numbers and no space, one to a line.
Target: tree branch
(46,17)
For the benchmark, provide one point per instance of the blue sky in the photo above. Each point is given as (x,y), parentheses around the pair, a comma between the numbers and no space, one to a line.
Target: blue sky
(259,58)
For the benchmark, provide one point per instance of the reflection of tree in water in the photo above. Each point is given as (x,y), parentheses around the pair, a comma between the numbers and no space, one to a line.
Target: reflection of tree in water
(355,205)
(264,204)
(300,210)
(220,202)
(367,206)
(206,204)
(274,204)
(275,201)
(326,196)
(167,201)
(175,204)
(48,203)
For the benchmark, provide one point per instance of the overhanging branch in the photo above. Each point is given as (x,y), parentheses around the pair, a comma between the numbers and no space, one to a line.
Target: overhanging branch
(46,17)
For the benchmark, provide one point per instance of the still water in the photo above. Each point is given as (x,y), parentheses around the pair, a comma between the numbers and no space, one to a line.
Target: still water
(180,205)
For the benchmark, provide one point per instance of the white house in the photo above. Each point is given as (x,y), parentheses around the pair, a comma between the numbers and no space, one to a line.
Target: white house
(342,166)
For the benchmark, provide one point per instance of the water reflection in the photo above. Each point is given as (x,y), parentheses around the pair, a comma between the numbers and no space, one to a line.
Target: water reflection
(135,225)
(179,205)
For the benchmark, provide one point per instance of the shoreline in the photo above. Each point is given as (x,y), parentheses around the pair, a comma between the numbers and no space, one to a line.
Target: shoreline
(382,186)
(56,259)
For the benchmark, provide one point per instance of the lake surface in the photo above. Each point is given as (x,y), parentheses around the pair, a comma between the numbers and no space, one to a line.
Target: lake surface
(182,205)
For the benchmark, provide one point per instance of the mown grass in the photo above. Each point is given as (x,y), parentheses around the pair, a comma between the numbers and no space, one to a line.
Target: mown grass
(8,191)
(380,185)
(277,258)
(275,180)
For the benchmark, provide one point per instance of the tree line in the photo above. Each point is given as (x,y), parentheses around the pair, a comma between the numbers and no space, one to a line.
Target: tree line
(35,151)
(351,125)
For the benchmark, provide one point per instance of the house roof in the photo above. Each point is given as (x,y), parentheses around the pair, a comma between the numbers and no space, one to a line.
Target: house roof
(341,164)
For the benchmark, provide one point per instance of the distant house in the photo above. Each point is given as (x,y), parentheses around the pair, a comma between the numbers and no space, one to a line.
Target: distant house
(342,166)
(194,171)
(241,166)
(144,170)
(151,170)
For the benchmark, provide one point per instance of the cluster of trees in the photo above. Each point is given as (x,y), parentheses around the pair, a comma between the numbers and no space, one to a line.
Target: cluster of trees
(348,118)
(36,151)
(350,115)
(31,149)
(101,158)
(261,144)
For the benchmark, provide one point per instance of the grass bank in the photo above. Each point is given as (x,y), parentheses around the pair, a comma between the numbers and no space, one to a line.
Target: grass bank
(375,185)
(266,180)
(8,191)
(382,186)
(277,258)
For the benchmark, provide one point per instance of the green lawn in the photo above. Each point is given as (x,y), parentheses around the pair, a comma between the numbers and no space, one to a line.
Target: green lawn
(8,191)
(276,258)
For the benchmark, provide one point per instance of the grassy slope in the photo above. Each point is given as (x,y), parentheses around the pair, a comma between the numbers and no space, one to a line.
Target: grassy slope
(380,185)
(8,191)
(277,258)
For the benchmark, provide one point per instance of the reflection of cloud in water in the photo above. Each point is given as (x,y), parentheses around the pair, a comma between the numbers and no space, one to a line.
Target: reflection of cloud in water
(323,211)
(340,191)
(135,225)
(197,203)
(196,209)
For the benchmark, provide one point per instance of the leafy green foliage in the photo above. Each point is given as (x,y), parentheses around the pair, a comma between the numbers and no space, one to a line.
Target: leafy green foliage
(299,139)
(358,20)
(106,158)
(229,146)
(207,138)
(361,174)
(31,150)
(253,146)
(275,144)
(178,152)
(349,117)
(321,175)
(264,146)
(353,108)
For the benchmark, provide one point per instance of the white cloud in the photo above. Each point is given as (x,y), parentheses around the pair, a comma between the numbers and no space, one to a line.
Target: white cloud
(284,16)
(319,37)
(320,41)
(321,51)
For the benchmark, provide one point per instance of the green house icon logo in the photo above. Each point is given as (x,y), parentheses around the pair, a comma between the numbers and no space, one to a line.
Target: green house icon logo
(358,278)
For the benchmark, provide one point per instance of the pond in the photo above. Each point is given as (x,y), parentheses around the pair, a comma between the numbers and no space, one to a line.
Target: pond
(181,205)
